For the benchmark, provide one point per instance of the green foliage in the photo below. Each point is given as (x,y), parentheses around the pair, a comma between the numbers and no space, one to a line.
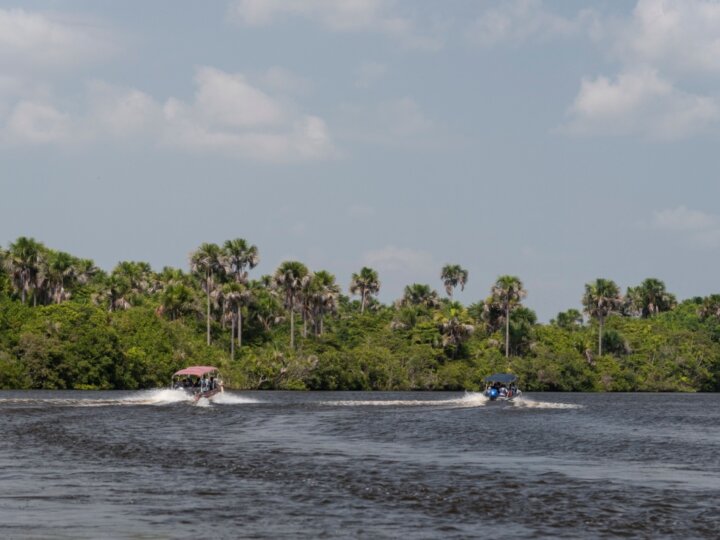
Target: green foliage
(81,328)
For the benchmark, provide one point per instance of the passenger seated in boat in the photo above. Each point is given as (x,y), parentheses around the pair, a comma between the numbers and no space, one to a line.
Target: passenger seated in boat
(503,391)
(212,384)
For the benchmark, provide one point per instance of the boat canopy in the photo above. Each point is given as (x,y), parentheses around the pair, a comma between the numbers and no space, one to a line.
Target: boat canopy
(502,378)
(197,371)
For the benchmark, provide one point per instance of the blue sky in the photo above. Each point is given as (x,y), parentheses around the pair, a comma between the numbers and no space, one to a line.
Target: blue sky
(559,141)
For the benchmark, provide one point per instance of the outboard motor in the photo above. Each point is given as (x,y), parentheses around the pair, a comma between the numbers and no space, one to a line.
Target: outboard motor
(493,393)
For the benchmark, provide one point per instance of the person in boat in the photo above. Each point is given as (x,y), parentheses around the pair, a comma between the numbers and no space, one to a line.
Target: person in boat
(212,383)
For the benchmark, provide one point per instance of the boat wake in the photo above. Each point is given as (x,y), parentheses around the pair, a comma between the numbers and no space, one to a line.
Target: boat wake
(228,398)
(156,397)
(470,399)
(526,403)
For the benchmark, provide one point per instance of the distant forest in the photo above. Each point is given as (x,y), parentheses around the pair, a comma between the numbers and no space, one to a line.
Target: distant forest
(65,323)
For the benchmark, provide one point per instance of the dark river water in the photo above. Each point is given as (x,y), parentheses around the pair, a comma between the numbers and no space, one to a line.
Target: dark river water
(358,465)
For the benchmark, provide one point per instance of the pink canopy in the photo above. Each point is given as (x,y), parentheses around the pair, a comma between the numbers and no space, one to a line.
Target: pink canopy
(198,371)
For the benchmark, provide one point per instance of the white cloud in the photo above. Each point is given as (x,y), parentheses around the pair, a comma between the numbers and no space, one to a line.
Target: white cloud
(227,99)
(31,40)
(683,219)
(120,112)
(676,35)
(639,102)
(522,20)
(228,115)
(337,15)
(36,123)
(700,228)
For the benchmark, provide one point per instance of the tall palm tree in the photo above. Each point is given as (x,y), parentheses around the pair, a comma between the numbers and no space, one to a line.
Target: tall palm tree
(324,294)
(601,298)
(177,299)
(290,278)
(205,262)
(420,295)
(452,276)
(508,293)
(235,295)
(365,283)
(238,256)
(61,272)
(22,263)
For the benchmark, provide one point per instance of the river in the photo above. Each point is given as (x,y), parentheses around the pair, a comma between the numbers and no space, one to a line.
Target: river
(151,464)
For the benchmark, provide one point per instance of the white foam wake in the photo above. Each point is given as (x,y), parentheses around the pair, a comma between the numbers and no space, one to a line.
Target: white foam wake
(470,399)
(523,402)
(159,396)
(228,398)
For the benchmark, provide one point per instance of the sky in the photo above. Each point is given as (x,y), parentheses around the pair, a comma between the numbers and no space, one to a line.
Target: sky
(558,141)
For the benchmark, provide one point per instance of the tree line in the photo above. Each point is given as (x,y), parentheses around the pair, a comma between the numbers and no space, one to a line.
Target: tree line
(296,327)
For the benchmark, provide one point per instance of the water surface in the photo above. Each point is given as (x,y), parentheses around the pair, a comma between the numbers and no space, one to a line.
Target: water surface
(358,465)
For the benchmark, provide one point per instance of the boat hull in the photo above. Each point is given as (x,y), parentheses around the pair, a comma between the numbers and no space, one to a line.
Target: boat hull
(207,394)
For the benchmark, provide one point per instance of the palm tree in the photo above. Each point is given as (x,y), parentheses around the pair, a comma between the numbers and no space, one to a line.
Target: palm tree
(290,278)
(601,298)
(420,295)
(86,270)
(177,299)
(116,292)
(235,297)
(61,270)
(324,294)
(710,308)
(21,263)
(139,276)
(205,262)
(266,307)
(569,320)
(236,257)
(452,276)
(365,283)
(650,298)
(455,326)
(508,293)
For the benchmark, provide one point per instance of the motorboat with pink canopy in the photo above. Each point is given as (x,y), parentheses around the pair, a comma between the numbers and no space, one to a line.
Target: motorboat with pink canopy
(198,381)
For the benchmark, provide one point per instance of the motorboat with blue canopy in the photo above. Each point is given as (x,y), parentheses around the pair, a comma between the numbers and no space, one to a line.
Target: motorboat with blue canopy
(501,387)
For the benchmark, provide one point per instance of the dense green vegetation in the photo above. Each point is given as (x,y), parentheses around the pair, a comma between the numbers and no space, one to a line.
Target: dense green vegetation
(64,323)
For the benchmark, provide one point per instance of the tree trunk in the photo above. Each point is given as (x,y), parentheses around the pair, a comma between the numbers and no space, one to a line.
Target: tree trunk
(207,289)
(507,331)
(239,327)
(362,302)
(292,326)
(600,329)
(232,339)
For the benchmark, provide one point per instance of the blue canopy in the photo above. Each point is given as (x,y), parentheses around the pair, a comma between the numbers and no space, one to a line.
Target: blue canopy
(502,378)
